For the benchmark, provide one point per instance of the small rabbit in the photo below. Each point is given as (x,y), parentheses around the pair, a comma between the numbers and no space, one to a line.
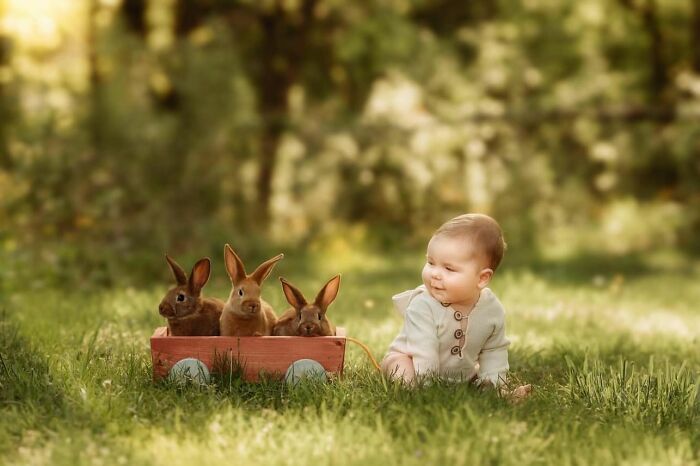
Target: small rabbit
(307,319)
(187,312)
(245,314)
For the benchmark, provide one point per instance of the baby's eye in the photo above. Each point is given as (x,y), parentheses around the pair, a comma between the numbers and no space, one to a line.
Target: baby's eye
(451,269)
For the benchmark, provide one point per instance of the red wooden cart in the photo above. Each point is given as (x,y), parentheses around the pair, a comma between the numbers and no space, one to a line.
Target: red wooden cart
(254,356)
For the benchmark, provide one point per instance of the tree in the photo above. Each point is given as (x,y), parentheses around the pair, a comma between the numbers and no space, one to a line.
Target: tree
(6,112)
(695,35)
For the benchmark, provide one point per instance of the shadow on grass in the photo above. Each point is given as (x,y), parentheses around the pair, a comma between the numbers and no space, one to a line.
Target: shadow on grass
(24,373)
(27,388)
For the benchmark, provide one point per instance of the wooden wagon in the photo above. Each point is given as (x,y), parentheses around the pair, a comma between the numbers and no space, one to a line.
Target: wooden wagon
(252,356)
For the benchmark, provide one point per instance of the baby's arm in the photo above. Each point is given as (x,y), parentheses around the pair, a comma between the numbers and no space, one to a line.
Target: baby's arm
(493,359)
(421,337)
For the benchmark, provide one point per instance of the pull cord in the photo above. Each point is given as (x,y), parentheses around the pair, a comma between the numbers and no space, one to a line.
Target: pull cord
(364,347)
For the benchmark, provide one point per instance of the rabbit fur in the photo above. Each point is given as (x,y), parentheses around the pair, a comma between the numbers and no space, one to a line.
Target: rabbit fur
(304,318)
(188,313)
(245,313)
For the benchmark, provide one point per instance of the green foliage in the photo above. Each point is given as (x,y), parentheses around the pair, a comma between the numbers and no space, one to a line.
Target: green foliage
(553,116)
(532,111)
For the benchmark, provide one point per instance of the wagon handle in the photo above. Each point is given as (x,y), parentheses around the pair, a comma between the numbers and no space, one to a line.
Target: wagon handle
(364,347)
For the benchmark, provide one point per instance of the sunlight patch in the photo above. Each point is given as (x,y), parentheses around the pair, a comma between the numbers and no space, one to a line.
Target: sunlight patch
(532,340)
(666,323)
(258,440)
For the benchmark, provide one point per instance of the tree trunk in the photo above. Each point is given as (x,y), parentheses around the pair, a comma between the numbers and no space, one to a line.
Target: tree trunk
(134,14)
(695,36)
(95,79)
(658,74)
(270,138)
(659,70)
(274,79)
(6,109)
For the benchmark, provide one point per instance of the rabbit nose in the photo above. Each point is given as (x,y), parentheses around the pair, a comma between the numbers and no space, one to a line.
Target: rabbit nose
(252,306)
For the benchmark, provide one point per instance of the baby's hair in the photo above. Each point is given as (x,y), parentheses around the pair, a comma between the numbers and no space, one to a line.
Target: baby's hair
(484,231)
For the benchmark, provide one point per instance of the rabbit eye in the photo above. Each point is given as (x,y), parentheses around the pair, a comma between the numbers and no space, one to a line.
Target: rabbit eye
(180,298)
(319,316)
(240,292)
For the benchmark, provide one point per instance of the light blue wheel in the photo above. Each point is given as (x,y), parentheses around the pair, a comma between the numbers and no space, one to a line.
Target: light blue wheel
(304,368)
(189,370)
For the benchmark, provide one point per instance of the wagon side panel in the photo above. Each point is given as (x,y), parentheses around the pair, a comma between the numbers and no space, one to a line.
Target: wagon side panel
(253,356)
(273,358)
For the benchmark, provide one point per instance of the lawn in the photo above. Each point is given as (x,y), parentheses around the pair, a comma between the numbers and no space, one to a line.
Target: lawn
(611,346)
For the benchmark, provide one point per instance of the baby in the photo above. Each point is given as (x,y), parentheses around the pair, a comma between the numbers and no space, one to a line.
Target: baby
(454,326)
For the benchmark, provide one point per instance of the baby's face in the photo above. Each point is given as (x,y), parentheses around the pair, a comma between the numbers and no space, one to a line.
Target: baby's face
(453,273)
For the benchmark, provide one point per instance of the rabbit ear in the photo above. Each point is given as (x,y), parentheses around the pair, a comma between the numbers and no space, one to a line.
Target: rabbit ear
(328,293)
(178,273)
(234,266)
(293,295)
(199,276)
(265,268)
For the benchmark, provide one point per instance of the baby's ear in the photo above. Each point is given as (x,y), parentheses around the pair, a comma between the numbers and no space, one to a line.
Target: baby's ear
(485,277)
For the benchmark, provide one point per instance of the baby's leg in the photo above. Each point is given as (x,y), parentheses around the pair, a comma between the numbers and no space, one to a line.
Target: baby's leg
(398,366)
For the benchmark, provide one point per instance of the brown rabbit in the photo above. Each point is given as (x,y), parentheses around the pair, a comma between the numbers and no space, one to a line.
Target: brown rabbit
(187,312)
(304,319)
(245,314)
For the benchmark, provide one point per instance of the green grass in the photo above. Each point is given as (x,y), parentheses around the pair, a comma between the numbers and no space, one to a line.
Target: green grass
(611,346)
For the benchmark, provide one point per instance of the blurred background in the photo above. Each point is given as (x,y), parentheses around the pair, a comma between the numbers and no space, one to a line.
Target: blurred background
(132,127)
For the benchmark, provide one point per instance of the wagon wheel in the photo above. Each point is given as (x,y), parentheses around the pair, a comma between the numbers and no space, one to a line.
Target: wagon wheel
(304,368)
(189,370)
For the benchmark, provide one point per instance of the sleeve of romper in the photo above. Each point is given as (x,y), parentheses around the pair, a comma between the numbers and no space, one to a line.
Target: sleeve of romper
(493,358)
(421,337)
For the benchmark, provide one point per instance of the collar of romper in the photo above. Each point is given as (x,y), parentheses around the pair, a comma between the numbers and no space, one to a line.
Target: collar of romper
(478,300)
